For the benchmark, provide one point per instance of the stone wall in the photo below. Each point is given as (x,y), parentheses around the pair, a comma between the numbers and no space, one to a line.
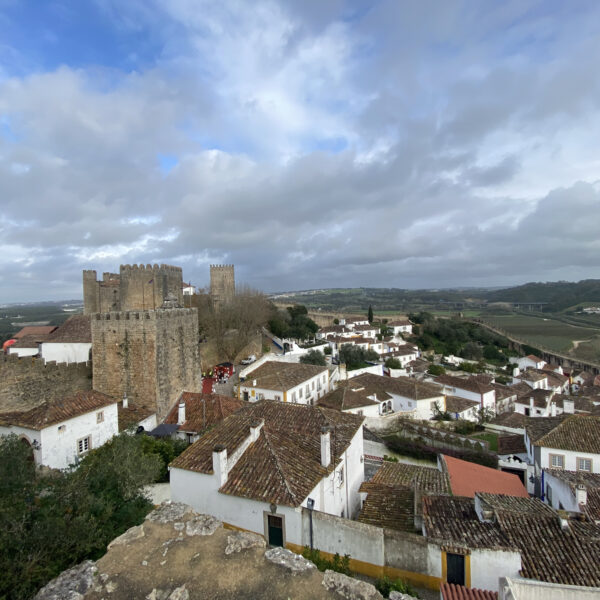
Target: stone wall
(222,284)
(152,356)
(27,382)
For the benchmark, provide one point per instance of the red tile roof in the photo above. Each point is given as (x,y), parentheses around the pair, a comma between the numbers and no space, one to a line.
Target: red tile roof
(57,411)
(203,410)
(34,330)
(451,591)
(467,478)
(75,330)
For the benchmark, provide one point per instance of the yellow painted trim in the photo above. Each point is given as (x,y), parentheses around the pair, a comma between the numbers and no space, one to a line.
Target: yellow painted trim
(468,570)
(285,396)
(376,571)
(444,567)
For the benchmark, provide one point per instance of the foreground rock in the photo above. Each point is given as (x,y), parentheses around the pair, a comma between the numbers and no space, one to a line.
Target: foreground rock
(177,554)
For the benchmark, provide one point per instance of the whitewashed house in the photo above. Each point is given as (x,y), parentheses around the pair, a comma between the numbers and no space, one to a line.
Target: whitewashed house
(257,468)
(60,432)
(401,326)
(285,382)
(470,388)
(188,289)
(28,345)
(531,361)
(71,342)
(575,491)
(566,442)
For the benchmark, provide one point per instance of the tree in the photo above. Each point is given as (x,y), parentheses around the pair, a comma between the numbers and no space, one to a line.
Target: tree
(393,363)
(327,350)
(355,357)
(313,357)
(370,314)
(336,321)
(436,370)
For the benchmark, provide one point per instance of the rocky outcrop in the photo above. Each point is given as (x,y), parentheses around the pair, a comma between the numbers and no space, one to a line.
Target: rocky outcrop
(289,560)
(350,588)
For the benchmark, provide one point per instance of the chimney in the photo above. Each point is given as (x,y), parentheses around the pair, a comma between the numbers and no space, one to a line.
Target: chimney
(580,495)
(516,372)
(125,401)
(569,406)
(553,409)
(255,428)
(531,404)
(181,413)
(219,459)
(254,382)
(325,446)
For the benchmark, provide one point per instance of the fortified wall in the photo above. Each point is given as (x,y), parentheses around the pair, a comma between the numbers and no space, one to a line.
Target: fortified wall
(152,356)
(135,287)
(27,382)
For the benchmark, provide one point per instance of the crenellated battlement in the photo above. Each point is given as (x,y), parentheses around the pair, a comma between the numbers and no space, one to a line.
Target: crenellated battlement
(221,267)
(124,269)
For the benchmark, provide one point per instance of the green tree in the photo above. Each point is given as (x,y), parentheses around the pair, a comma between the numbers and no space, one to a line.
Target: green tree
(370,314)
(436,370)
(313,357)
(355,357)
(393,363)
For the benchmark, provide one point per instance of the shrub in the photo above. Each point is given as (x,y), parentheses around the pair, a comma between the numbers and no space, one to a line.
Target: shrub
(385,585)
(340,564)
(436,370)
(393,363)
(313,357)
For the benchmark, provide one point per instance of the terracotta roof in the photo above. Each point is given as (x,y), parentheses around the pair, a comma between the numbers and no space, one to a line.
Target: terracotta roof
(365,328)
(345,398)
(467,478)
(57,411)
(451,591)
(402,386)
(427,479)
(34,330)
(503,391)
(573,478)
(577,433)
(470,384)
(514,420)
(76,329)
(399,323)
(537,427)
(540,398)
(580,403)
(520,388)
(203,410)
(284,464)
(29,341)
(534,358)
(515,504)
(455,404)
(281,376)
(533,375)
(390,498)
(511,444)
(133,414)
(452,520)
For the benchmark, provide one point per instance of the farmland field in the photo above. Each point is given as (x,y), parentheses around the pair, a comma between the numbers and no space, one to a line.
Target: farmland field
(539,331)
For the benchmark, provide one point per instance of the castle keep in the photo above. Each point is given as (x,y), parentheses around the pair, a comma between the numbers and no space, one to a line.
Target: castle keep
(222,284)
(143,287)
(152,356)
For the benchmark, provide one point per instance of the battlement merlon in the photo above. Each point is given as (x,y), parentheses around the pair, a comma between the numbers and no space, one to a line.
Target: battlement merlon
(150,268)
(221,267)
(90,274)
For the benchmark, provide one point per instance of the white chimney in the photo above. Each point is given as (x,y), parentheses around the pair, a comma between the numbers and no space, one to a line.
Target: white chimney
(325,446)
(181,413)
(125,401)
(516,372)
(255,428)
(553,409)
(254,382)
(531,404)
(569,406)
(219,459)
(580,495)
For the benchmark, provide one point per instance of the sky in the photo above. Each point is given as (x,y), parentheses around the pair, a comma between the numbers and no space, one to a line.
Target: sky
(312,144)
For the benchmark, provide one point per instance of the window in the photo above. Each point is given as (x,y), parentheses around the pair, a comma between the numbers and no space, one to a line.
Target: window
(300,392)
(360,413)
(62,428)
(313,386)
(584,464)
(100,417)
(293,396)
(84,444)
(261,396)
(549,494)
(278,398)
(557,461)
(341,476)
(307,390)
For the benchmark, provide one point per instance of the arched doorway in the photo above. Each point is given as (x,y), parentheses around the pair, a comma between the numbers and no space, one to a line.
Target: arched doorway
(27,443)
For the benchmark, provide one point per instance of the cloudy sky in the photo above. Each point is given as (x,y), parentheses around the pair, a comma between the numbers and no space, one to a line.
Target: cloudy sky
(311,143)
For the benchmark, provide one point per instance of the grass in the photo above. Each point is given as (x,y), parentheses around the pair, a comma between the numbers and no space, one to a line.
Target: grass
(538,331)
(490,438)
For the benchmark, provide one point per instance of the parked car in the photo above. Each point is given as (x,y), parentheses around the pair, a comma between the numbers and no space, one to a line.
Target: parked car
(249,360)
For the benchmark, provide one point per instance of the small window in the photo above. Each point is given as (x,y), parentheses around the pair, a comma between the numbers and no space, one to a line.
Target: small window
(557,461)
(360,413)
(307,390)
(300,392)
(549,494)
(84,444)
(341,475)
(313,386)
(100,417)
(323,378)
(293,396)
(584,464)
(62,428)
(278,398)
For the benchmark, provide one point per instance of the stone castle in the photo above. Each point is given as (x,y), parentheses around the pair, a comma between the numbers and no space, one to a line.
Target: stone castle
(222,284)
(144,345)
(143,287)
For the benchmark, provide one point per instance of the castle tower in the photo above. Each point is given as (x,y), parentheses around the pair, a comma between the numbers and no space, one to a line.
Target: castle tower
(146,287)
(152,356)
(222,284)
(90,292)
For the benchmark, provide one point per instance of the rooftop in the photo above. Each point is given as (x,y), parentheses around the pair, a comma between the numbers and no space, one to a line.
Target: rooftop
(57,411)
(401,386)
(345,398)
(470,384)
(455,404)
(34,330)
(577,433)
(133,414)
(76,329)
(467,478)
(203,410)
(451,591)
(284,464)
(281,376)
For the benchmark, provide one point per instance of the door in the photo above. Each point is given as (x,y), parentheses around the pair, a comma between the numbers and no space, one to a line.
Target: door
(246,396)
(455,568)
(275,525)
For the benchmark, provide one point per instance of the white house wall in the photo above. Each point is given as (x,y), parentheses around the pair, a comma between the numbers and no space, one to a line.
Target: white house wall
(562,496)
(488,565)
(21,352)
(66,352)
(570,459)
(31,435)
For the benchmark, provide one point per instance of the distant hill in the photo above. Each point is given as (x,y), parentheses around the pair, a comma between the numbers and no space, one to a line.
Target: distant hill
(560,294)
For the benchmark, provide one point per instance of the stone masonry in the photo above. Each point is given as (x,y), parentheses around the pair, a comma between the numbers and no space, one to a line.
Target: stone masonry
(135,287)
(222,284)
(152,356)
